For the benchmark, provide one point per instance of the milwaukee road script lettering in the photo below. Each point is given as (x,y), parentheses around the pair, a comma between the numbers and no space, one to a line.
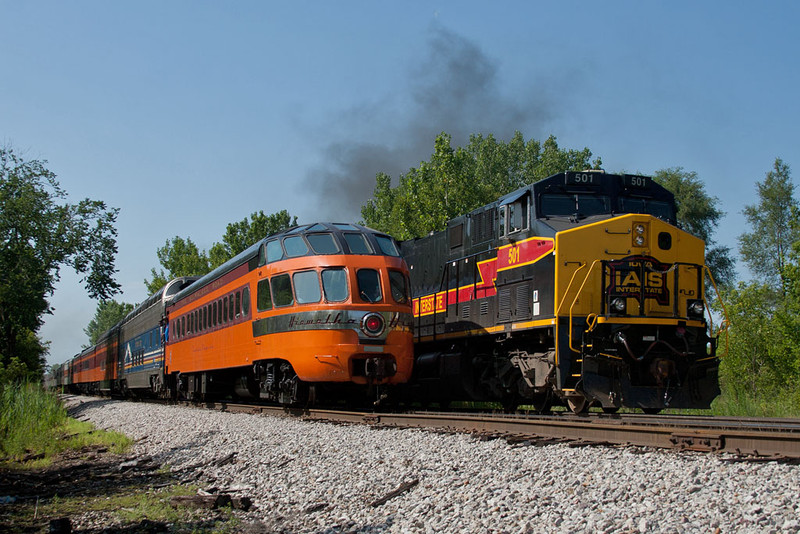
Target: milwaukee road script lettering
(330,319)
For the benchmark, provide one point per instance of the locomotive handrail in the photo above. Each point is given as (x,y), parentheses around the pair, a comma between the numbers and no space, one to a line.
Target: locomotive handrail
(566,292)
(575,300)
(561,304)
(724,323)
(444,283)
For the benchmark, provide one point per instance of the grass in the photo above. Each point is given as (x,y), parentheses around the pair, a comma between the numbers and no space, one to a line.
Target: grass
(34,424)
(782,403)
(35,428)
(30,420)
(130,510)
(134,505)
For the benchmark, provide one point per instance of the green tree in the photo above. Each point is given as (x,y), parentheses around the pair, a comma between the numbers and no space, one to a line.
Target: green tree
(107,314)
(765,249)
(39,234)
(182,257)
(242,234)
(456,181)
(698,214)
(790,319)
(763,363)
(746,368)
(178,257)
(15,372)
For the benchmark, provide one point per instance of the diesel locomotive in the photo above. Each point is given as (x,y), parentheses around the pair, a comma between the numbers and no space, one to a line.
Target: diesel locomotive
(319,310)
(578,289)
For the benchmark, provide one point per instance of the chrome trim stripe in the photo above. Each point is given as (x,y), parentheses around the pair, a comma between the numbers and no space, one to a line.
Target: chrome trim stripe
(329,320)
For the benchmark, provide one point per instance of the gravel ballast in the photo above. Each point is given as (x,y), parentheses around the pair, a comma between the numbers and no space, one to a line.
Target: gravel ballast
(317,477)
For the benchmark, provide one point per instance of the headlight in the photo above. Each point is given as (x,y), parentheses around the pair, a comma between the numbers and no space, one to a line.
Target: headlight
(618,305)
(696,308)
(639,234)
(372,324)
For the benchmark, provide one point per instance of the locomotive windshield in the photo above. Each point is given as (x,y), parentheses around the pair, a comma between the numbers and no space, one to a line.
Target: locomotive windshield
(662,210)
(581,205)
(577,195)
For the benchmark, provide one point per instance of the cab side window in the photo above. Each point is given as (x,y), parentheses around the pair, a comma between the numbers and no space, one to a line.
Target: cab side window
(518,215)
(263,295)
(513,217)
(282,290)
(399,287)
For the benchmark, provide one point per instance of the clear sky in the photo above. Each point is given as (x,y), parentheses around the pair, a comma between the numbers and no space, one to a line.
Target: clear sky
(190,115)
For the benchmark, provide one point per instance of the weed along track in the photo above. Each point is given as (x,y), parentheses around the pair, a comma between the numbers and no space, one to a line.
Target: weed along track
(92,488)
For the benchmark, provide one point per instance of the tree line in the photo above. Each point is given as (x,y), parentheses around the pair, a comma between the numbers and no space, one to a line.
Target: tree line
(40,233)
(181,257)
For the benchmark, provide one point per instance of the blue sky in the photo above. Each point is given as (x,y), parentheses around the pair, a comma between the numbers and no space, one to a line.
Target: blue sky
(191,115)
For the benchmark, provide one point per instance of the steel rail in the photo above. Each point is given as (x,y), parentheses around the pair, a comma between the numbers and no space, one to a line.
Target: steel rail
(777,438)
(741,441)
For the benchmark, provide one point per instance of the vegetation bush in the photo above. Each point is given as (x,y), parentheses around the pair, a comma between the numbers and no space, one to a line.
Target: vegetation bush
(30,419)
(34,424)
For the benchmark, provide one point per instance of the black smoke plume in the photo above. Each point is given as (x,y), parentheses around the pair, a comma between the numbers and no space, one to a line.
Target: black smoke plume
(455,90)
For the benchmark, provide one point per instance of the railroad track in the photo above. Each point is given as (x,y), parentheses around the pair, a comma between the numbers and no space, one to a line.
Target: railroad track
(756,439)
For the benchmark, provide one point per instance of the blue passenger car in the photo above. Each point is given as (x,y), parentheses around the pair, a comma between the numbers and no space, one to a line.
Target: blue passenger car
(142,341)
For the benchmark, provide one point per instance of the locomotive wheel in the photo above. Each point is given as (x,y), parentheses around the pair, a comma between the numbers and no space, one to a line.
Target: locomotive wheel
(578,405)
(610,409)
(651,411)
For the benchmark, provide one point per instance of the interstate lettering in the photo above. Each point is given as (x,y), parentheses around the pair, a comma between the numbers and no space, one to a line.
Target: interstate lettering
(440,302)
(426,305)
